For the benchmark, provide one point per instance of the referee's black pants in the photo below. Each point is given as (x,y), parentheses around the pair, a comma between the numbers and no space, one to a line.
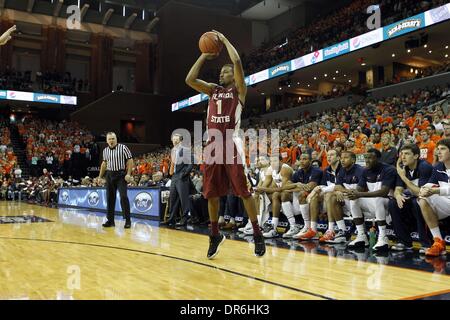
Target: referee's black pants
(115,180)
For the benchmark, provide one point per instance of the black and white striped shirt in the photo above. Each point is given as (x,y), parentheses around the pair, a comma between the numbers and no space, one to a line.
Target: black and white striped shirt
(116,158)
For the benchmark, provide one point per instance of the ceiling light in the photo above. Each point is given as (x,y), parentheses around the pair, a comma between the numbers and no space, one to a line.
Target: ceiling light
(430,51)
(315,78)
(393,55)
(363,64)
(425,46)
(409,50)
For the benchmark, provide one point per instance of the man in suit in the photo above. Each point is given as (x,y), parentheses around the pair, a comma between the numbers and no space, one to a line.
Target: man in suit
(180,169)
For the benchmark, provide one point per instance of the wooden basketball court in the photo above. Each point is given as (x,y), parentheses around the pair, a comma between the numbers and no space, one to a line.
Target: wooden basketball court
(72,257)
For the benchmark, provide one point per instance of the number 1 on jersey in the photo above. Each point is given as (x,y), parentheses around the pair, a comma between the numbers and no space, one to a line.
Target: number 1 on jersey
(219,106)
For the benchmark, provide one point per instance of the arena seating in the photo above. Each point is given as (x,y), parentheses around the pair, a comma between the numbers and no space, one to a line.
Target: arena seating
(330,29)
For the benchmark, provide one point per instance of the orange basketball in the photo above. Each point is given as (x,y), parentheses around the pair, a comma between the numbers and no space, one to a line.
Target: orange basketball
(210,43)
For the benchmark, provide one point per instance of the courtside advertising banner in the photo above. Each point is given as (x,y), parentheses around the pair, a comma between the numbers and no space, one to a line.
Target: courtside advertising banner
(144,201)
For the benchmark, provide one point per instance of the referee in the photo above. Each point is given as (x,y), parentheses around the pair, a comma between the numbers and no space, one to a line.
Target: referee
(118,164)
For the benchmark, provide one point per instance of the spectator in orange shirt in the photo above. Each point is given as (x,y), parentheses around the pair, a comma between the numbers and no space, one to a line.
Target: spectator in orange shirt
(431,130)
(416,136)
(324,137)
(285,153)
(350,146)
(324,147)
(385,117)
(295,152)
(358,136)
(421,122)
(426,147)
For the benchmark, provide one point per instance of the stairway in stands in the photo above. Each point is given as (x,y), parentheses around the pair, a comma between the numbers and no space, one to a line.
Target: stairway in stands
(19,151)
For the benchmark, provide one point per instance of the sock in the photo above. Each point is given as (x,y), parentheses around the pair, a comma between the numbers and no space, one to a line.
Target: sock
(214,228)
(314,225)
(304,209)
(256,230)
(275,222)
(264,217)
(360,228)
(436,232)
(341,225)
(382,231)
(258,217)
(331,225)
(288,211)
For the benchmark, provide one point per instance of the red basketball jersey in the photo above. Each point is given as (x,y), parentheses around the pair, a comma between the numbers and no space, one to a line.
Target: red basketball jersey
(224,110)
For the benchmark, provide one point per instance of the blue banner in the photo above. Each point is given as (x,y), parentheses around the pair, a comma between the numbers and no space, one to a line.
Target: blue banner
(46,98)
(144,201)
(3,94)
(404,26)
(280,69)
(336,50)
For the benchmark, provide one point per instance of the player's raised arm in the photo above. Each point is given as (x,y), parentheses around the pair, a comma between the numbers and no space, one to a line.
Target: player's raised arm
(239,76)
(192,77)
(5,37)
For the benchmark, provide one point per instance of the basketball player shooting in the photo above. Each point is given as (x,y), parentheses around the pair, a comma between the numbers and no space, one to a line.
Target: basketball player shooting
(224,112)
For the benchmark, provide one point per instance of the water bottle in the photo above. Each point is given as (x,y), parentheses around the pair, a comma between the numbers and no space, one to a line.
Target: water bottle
(372,236)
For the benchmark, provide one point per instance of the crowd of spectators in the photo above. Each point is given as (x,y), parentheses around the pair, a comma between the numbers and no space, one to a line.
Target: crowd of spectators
(60,83)
(415,118)
(65,148)
(333,28)
(47,82)
(8,160)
